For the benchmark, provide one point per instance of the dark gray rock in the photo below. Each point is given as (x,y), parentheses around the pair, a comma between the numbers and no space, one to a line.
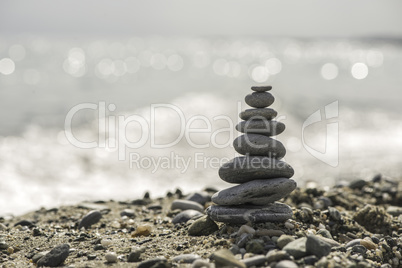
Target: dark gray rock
(25,223)
(262,127)
(357,184)
(257,260)
(259,145)
(286,264)
(359,249)
(134,256)
(334,214)
(186,215)
(225,258)
(297,248)
(186,258)
(258,114)
(186,204)
(160,261)
(55,257)
(247,168)
(261,88)
(202,226)
(316,246)
(256,192)
(255,246)
(275,212)
(352,243)
(200,198)
(325,233)
(91,218)
(128,212)
(259,99)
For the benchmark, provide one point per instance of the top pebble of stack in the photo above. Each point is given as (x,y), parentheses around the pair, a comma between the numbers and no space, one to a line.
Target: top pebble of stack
(261,88)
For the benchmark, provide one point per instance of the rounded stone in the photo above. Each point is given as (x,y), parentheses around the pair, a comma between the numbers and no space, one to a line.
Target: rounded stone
(247,168)
(186,215)
(261,88)
(56,256)
(259,113)
(259,145)
(276,212)
(111,257)
(256,192)
(89,219)
(202,226)
(262,127)
(259,99)
(186,204)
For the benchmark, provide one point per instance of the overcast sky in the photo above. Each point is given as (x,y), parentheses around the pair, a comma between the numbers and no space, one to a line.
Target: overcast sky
(337,18)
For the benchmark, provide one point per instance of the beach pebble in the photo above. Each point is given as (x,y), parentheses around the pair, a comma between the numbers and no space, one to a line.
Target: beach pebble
(357,184)
(276,255)
(186,204)
(275,212)
(268,232)
(368,244)
(55,257)
(259,99)
(261,88)
(286,264)
(283,240)
(256,192)
(24,223)
(202,226)
(334,214)
(3,245)
(394,211)
(89,219)
(316,246)
(258,114)
(186,258)
(255,144)
(223,257)
(255,246)
(245,229)
(38,256)
(200,198)
(200,263)
(353,243)
(359,249)
(159,262)
(142,230)
(257,260)
(297,248)
(243,169)
(186,215)
(325,233)
(128,212)
(106,242)
(261,127)
(134,256)
(111,257)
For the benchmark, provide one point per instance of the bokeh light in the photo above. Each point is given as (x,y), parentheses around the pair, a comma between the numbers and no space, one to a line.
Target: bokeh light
(7,66)
(273,65)
(329,71)
(260,74)
(17,52)
(175,62)
(359,70)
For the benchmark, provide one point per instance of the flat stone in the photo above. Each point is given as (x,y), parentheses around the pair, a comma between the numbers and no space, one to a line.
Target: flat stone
(224,257)
(200,198)
(297,248)
(55,257)
(286,264)
(316,246)
(247,168)
(202,226)
(352,243)
(255,192)
(258,114)
(89,219)
(156,262)
(257,260)
(276,212)
(259,145)
(186,215)
(186,258)
(283,240)
(261,88)
(276,255)
(259,99)
(394,211)
(186,204)
(262,127)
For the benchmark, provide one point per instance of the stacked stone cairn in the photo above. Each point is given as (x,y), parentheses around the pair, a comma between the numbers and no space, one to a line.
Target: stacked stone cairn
(261,176)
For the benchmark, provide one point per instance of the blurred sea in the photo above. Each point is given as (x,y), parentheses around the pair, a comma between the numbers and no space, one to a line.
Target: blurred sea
(41,79)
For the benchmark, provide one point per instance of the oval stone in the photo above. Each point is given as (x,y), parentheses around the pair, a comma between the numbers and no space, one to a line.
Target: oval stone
(275,212)
(261,88)
(262,127)
(259,99)
(256,192)
(247,168)
(254,144)
(259,113)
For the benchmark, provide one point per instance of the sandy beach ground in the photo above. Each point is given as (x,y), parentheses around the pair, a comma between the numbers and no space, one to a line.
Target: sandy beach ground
(353,225)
